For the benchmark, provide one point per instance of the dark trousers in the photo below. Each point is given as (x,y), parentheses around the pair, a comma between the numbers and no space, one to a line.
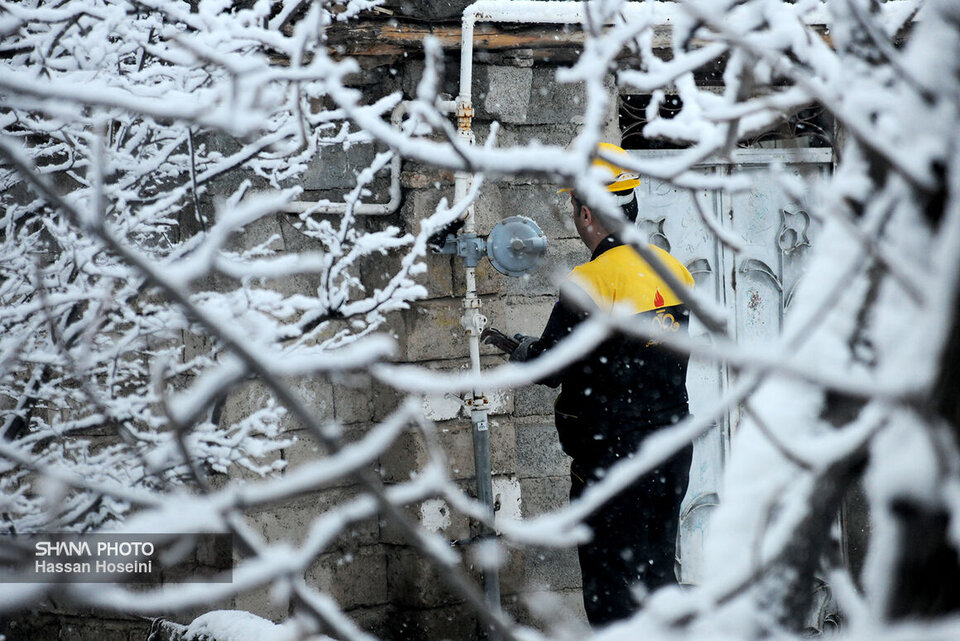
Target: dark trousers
(634,534)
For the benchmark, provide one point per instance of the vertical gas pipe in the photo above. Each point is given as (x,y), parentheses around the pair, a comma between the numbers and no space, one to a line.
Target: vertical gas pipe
(473,323)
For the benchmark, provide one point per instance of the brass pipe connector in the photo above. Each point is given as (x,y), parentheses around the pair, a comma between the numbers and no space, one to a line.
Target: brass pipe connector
(464,116)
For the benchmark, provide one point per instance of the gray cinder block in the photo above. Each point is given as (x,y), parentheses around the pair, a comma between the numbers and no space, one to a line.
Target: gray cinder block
(336,167)
(353,576)
(538,450)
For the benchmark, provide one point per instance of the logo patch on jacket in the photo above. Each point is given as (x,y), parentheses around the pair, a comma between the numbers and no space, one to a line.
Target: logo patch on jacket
(663,322)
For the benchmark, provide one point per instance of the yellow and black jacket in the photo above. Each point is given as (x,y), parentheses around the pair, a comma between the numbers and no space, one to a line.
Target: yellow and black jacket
(626,383)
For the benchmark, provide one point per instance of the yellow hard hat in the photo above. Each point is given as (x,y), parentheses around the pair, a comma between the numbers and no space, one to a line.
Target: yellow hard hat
(620,179)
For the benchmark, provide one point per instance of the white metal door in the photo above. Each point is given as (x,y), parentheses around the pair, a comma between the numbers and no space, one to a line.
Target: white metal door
(755,282)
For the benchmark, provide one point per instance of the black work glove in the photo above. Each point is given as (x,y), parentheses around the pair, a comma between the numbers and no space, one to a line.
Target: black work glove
(522,353)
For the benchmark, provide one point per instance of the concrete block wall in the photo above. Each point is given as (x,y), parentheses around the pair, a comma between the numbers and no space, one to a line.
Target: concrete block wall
(371,571)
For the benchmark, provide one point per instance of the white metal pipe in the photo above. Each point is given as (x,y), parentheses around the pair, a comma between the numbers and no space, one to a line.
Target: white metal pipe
(447,106)
(472,318)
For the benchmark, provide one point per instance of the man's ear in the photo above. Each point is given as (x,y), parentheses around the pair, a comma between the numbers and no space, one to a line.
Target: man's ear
(586,213)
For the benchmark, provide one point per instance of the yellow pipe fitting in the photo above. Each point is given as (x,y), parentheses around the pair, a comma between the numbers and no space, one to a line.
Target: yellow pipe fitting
(464,115)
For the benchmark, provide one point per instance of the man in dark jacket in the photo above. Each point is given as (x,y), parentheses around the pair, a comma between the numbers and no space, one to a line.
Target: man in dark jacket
(610,400)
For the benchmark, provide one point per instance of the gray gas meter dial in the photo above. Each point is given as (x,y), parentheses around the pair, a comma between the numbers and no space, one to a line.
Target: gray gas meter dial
(516,246)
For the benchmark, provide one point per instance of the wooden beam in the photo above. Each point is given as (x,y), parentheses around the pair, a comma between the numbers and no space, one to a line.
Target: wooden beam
(379,38)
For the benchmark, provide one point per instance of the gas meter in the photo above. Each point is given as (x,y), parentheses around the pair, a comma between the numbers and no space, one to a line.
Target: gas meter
(515,246)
